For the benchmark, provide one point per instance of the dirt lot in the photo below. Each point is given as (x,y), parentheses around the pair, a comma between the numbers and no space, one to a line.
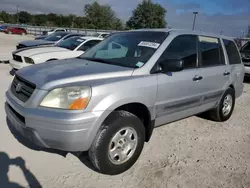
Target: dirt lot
(187,154)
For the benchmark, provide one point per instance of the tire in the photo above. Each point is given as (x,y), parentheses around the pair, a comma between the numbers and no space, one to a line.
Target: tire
(9,32)
(113,127)
(217,113)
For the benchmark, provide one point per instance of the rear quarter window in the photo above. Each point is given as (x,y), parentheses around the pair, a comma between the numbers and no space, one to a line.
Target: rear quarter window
(232,52)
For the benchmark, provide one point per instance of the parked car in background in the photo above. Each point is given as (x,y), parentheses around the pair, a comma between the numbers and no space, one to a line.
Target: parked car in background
(109,100)
(15,30)
(245,55)
(3,27)
(101,35)
(41,37)
(53,31)
(49,40)
(69,48)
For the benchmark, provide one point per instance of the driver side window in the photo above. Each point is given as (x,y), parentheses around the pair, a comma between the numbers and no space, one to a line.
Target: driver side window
(183,47)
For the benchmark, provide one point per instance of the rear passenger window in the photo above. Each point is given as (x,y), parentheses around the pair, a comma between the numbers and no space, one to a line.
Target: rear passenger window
(211,51)
(232,52)
(184,48)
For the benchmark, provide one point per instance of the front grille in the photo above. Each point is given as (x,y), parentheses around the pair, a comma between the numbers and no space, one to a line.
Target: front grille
(18,116)
(19,46)
(22,89)
(17,58)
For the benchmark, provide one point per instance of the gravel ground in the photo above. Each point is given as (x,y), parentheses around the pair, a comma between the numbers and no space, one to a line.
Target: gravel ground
(190,153)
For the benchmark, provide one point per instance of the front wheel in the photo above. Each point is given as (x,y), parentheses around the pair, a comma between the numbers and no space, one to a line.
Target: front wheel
(225,107)
(118,143)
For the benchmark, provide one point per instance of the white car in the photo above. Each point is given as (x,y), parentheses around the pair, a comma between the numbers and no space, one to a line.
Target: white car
(55,30)
(69,48)
(101,35)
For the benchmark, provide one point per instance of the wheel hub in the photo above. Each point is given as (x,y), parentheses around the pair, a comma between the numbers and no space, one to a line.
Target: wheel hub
(123,145)
(227,105)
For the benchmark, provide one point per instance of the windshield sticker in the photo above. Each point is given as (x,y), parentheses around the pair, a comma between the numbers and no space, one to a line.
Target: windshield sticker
(139,64)
(149,44)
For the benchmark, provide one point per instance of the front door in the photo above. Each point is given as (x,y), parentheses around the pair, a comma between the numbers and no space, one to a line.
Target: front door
(178,92)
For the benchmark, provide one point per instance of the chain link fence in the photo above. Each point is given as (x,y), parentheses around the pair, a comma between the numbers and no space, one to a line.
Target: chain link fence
(38,30)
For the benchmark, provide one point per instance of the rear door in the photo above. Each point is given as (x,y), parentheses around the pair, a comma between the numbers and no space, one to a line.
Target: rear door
(235,65)
(215,71)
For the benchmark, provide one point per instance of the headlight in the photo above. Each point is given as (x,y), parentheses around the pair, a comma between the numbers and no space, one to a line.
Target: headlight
(29,60)
(71,98)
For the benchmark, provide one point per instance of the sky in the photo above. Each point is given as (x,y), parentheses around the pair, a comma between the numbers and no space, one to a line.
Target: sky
(231,17)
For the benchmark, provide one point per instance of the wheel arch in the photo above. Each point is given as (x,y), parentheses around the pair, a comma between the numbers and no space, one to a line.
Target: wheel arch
(142,112)
(53,59)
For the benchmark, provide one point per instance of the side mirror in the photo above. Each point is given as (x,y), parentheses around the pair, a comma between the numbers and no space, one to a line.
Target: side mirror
(172,65)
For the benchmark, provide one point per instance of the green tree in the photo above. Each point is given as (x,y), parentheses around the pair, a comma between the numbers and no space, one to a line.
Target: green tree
(101,17)
(6,17)
(147,15)
(24,17)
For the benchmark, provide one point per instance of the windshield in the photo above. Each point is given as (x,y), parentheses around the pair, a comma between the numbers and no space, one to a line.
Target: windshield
(71,43)
(96,35)
(246,46)
(128,49)
(55,36)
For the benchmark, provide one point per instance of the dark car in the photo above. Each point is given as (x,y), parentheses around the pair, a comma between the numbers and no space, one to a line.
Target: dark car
(41,37)
(49,40)
(245,55)
(245,52)
(15,30)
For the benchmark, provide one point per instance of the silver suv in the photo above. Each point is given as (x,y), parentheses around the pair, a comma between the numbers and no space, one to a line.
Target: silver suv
(109,100)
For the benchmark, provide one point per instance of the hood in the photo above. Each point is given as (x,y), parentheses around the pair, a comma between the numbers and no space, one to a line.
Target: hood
(52,74)
(40,37)
(29,43)
(41,50)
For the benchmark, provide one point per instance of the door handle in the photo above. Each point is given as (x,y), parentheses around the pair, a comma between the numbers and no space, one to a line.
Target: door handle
(197,78)
(226,73)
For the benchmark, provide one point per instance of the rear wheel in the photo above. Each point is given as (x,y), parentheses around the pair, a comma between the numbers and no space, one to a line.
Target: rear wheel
(225,108)
(118,144)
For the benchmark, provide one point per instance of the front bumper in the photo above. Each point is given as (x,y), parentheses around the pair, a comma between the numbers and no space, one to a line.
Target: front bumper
(51,129)
(18,65)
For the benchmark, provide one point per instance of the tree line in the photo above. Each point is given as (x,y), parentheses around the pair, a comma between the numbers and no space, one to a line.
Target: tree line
(97,16)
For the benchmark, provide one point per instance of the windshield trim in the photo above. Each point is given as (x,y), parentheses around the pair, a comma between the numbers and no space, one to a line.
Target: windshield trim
(105,61)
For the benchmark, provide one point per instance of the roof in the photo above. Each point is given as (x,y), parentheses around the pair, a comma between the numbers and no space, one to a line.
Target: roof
(183,31)
(92,38)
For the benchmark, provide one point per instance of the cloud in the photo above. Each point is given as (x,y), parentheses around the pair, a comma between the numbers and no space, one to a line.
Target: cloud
(230,16)
(122,8)
(188,6)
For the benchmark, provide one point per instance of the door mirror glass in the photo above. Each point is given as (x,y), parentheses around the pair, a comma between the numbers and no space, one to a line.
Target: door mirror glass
(172,65)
